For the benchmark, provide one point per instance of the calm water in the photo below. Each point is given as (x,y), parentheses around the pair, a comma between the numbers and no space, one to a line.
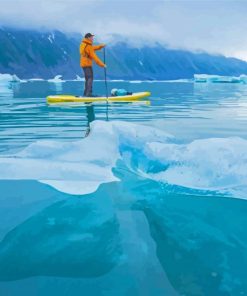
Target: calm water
(188,111)
(152,202)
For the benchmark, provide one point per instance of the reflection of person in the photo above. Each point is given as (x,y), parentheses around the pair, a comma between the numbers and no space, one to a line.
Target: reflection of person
(87,52)
(90,117)
(90,113)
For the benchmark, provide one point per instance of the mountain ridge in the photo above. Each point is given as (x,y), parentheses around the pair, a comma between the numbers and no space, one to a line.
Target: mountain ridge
(30,54)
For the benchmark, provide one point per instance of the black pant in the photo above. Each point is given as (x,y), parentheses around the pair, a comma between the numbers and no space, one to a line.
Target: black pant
(88,73)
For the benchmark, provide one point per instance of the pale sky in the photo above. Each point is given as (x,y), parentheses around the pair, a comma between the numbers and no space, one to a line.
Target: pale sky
(213,26)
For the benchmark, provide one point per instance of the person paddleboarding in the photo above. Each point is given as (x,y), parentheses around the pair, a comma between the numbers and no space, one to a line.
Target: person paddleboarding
(88,55)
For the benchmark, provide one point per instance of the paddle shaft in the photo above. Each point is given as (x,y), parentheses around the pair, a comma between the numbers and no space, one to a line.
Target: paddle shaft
(106,86)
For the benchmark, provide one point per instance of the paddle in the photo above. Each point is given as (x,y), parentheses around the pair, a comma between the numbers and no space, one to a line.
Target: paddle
(106,86)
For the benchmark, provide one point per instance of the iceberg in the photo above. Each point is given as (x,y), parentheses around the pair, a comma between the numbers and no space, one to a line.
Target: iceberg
(243,79)
(78,78)
(135,81)
(5,84)
(5,78)
(204,78)
(77,167)
(36,79)
(15,78)
(56,79)
(80,167)
(200,78)
(226,165)
(178,81)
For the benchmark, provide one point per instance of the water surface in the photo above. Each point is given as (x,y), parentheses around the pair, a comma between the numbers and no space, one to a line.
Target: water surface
(152,202)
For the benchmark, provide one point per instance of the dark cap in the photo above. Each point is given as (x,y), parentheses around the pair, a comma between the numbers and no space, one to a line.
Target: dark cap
(88,35)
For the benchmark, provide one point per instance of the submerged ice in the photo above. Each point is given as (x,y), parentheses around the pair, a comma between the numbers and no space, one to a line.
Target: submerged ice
(137,236)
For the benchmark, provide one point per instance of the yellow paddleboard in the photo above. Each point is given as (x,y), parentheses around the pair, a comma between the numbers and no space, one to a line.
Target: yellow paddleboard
(72,99)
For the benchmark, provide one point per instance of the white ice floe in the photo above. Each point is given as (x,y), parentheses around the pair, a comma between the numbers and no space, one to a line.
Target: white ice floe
(5,84)
(80,167)
(56,79)
(78,78)
(135,81)
(77,167)
(179,81)
(205,78)
(36,79)
(243,78)
(5,78)
(212,164)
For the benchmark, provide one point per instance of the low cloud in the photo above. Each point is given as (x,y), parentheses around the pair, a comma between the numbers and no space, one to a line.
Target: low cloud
(213,26)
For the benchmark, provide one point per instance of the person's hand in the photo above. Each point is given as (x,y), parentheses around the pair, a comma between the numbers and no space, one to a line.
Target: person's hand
(105,66)
(103,45)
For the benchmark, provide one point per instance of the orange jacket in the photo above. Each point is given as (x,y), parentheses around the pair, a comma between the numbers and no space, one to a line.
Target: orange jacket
(88,55)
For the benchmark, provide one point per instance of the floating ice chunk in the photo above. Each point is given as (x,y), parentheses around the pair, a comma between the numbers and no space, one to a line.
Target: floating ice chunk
(56,79)
(216,78)
(170,81)
(81,166)
(210,164)
(5,84)
(179,81)
(243,79)
(200,77)
(15,78)
(224,79)
(36,79)
(79,78)
(5,78)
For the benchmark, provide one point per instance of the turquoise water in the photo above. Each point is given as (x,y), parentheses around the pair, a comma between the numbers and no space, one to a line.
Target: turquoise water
(152,202)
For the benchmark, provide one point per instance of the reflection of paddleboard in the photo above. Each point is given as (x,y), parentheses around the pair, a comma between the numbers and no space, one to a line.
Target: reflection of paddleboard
(73,99)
